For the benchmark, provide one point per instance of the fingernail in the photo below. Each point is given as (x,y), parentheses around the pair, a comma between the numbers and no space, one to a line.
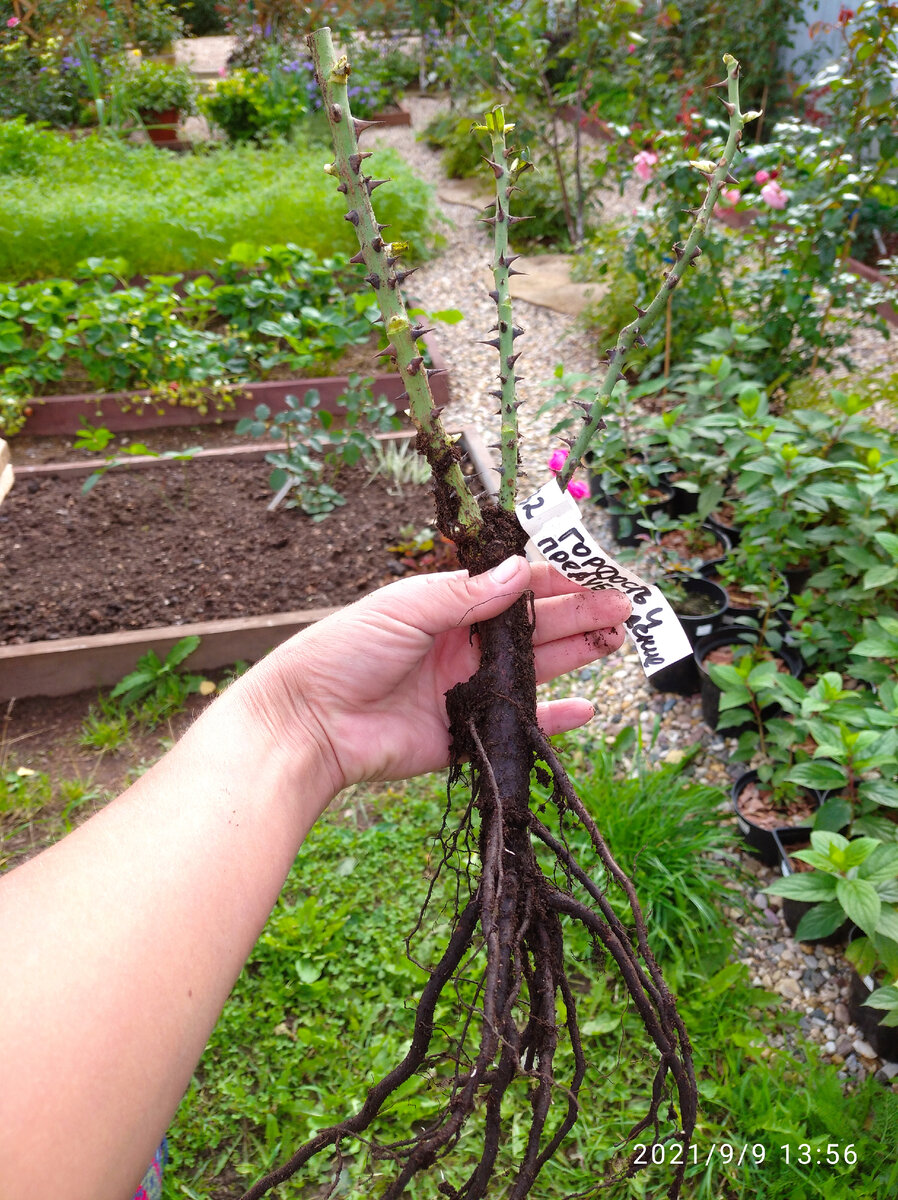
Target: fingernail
(506,570)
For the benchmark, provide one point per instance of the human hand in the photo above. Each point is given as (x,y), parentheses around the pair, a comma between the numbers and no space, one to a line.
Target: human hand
(369,683)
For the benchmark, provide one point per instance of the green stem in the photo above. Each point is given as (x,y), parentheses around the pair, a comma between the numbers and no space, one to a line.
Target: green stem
(380,258)
(504,342)
(686,254)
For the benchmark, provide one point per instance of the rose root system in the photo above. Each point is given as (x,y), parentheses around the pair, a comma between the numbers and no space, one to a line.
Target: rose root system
(510,931)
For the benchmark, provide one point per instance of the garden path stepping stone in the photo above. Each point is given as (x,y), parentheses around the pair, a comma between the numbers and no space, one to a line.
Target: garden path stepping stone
(547,283)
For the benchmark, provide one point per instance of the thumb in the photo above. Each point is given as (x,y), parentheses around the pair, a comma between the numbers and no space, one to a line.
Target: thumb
(449,600)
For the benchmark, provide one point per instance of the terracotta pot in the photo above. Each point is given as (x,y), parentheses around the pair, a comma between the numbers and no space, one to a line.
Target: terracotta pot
(162,127)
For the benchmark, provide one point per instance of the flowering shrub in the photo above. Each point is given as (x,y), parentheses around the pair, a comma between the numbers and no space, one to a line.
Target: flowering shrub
(644,164)
(47,77)
(40,82)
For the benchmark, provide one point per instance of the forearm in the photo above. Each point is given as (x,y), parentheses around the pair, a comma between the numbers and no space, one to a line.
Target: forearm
(119,946)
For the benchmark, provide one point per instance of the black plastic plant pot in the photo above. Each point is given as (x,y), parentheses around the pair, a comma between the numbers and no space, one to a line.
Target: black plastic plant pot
(766,844)
(735,609)
(734,635)
(730,532)
(678,679)
(627,526)
(797,578)
(597,493)
(705,614)
(724,546)
(794,910)
(883,1038)
(682,502)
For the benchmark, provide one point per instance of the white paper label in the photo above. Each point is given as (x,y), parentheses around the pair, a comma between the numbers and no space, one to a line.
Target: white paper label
(553,521)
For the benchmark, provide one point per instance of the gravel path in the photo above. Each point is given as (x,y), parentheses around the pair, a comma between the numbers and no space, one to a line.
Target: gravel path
(812,981)
(455,280)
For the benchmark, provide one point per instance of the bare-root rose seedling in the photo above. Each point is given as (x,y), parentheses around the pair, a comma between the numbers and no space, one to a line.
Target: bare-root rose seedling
(521,889)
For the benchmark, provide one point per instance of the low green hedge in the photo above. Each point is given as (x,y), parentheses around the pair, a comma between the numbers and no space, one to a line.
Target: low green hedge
(63,201)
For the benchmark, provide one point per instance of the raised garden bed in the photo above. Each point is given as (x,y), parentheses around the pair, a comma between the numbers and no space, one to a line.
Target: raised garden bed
(93,582)
(55,415)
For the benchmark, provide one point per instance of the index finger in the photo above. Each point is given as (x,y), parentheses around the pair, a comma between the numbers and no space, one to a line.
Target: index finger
(545,581)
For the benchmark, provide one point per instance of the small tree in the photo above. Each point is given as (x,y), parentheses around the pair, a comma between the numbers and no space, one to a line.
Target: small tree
(514,912)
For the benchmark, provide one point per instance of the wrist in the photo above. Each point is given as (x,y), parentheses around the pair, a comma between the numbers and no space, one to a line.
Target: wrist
(283,731)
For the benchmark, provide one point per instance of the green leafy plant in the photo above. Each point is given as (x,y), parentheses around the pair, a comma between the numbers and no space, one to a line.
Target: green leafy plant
(156,684)
(131,450)
(753,690)
(155,87)
(107,726)
(852,880)
(318,446)
(179,340)
(269,101)
(852,737)
(399,463)
(750,579)
(23,790)
(103,198)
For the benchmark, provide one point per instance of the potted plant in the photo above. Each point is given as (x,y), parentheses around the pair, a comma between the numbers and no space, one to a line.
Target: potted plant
(641,493)
(754,588)
(771,808)
(749,647)
(852,738)
(689,540)
(873,986)
(796,907)
(699,604)
(851,880)
(161,94)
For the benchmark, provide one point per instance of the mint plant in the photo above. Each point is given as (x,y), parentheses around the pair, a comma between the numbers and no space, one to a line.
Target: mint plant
(524,893)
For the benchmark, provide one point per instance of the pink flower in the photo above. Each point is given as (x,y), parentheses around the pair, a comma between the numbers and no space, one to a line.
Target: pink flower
(762,177)
(12,22)
(644,164)
(576,487)
(774,195)
(730,195)
(557,460)
(631,49)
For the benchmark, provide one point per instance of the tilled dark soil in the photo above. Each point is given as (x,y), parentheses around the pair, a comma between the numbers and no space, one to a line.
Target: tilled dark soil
(187,542)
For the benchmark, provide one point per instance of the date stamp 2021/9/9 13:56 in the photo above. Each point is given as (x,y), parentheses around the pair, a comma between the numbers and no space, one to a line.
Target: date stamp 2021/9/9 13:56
(802,1154)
